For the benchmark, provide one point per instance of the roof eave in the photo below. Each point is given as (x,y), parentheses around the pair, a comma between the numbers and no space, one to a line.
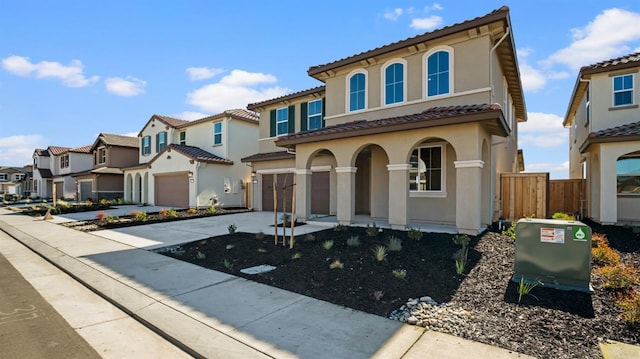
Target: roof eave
(607,139)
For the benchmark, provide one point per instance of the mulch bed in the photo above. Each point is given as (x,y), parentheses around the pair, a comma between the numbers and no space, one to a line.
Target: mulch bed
(558,324)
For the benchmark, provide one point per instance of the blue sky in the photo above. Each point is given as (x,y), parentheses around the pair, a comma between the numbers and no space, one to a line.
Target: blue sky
(72,69)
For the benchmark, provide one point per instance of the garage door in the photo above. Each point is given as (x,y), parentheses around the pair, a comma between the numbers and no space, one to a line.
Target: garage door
(320,193)
(172,190)
(285,180)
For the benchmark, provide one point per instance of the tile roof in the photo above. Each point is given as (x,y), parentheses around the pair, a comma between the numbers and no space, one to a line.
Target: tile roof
(57,150)
(435,116)
(82,149)
(318,89)
(238,114)
(630,60)
(118,140)
(173,122)
(627,132)
(45,173)
(280,155)
(41,152)
(198,154)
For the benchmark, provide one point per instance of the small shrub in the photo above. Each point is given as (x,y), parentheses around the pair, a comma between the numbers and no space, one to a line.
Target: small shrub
(511,231)
(399,273)
(377,295)
(260,235)
(200,255)
(414,233)
(192,211)
(112,219)
(163,212)
(63,204)
(461,240)
(172,213)
(605,256)
(460,257)
(101,216)
(380,253)
(228,265)
(212,210)
(87,203)
(525,288)
(327,244)
(618,277)
(336,264)
(353,241)
(630,306)
(395,244)
(599,240)
(296,255)
(372,230)
(104,202)
(286,219)
(232,228)
(340,228)
(563,216)
(139,215)
(309,238)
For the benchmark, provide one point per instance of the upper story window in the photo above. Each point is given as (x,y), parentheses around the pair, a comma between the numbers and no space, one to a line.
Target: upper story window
(64,161)
(35,163)
(146,145)
(282,121)
(628,174)
(314,117)
(357,92)
(19,176)
(623,90)
(394,83)
(183,137)
(3,177)
(438,73)
(102,155)
(427,172)
(217,133)
(161,141)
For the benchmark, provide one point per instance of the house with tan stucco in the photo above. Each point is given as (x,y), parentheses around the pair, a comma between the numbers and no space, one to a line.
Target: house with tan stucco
(604,145)
(416,131)
(193,164)
(54,170)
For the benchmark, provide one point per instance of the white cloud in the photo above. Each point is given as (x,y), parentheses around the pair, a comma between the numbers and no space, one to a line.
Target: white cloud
(17,150)
(542,130)
(557,170)
(191,115)
(236,90)
(426,23)
(71,75)
(532,79)
(394,14)
(129,86)
(202,73)
(607,36)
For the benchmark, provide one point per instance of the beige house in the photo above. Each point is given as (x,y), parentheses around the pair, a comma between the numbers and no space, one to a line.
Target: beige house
(15,180)
(111,153)
(193,164)
(604,142)
(417,131)
(54,169)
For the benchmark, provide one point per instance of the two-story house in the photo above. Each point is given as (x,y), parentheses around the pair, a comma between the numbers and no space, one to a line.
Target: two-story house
(54,169)
(15,180)
(604,118)
(417,131)
(41,183)
(194,164)
(111,153)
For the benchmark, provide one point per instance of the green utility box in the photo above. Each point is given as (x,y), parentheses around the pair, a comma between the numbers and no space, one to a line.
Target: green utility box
(556,253)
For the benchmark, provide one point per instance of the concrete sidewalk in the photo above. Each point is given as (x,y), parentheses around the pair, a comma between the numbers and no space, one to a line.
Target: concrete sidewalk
(216,315)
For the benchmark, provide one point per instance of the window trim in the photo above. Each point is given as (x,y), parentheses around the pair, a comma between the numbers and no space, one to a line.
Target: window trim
(614,92)
(102,151)
(64,161)
(383,76)
(284,120)
(183,138)
(161,145)
(425,68)
(628,156)
(319,115)
(146,150)
(364,90)
(4,177)
(217,133)
(442,193)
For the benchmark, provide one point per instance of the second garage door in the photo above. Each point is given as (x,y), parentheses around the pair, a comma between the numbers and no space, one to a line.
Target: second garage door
(172,190)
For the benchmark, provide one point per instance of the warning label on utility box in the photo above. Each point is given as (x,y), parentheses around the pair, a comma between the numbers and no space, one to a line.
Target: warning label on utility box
(552,235)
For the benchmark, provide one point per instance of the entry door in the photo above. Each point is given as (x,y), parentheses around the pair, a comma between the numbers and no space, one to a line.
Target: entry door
(320,193)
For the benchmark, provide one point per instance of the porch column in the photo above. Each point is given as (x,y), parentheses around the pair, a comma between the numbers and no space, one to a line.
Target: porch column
(398,195)
(346,194)
(303,194)
(608,189)
(469,196)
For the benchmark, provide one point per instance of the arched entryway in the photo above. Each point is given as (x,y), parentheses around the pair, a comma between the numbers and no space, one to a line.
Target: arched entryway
(371,195)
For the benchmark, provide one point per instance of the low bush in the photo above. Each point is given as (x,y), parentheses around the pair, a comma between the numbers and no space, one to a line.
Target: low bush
(563,216)
(605,256)
(414,233)
(101,216)
(139,216)
(163,212)
(630,306)
(395,244)
(618,277)
(599,240)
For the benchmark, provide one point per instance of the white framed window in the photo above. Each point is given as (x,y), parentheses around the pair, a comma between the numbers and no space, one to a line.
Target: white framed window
(183,138)
(102,155)
(64,161)
(217,133)
(19,176)
(427,169)
(282,121)
(394,82)
(3,177)
(439,70)
(314,114)
(623,90)
(357,91)
(146,145)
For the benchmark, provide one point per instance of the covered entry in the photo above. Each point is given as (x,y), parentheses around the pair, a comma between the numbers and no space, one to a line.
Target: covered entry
(172,190)
(320,195)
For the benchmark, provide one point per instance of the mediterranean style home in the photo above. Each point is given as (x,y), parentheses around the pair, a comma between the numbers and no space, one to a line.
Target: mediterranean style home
(193,164)
(111,153)
(54,169)
(15,180)
(604,142)
(417,131)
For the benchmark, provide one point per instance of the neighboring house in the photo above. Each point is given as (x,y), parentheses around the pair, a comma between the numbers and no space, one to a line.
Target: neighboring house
(604,117)
(111,153)
(417,131)
(54,169)
(15,180)
(194,164)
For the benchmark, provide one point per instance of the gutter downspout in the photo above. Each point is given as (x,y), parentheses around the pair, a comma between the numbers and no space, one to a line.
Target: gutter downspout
(491,62)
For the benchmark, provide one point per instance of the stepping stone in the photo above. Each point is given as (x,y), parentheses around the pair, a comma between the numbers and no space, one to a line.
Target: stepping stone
(616,350)
(263,268)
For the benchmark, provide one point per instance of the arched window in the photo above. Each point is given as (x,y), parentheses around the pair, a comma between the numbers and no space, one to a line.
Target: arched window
(438,73)
(357,92)
(394,83)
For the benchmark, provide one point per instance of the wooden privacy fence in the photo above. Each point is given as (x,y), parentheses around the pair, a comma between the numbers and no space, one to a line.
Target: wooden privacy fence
(533,194)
